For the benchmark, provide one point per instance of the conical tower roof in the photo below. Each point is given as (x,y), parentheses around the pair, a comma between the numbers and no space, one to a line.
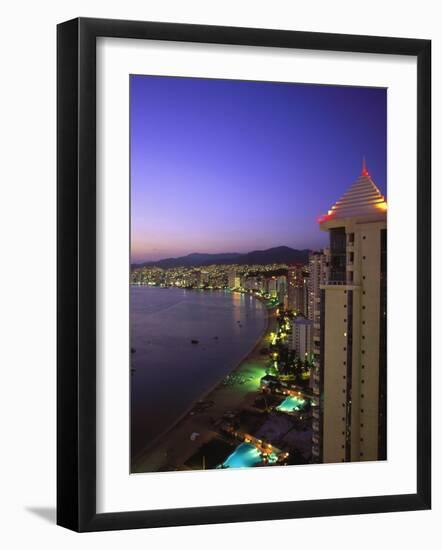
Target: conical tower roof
(362,199)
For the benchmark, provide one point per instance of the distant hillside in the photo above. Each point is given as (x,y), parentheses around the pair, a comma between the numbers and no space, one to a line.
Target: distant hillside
(277,255)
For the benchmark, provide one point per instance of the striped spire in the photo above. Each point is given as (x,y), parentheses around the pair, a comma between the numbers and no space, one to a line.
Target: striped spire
(363,198)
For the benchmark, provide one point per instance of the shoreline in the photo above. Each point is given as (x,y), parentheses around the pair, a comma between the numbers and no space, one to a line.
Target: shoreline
(230,399)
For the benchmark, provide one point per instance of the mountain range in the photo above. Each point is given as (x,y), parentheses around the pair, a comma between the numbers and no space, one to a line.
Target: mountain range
(276,255)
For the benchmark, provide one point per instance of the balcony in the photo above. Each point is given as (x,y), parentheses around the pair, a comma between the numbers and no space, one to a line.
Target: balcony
(315,450)
(348,282)
(315,426)
(316,413)
(315,439)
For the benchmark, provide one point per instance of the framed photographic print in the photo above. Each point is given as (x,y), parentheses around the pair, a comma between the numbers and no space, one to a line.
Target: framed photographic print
(243,274)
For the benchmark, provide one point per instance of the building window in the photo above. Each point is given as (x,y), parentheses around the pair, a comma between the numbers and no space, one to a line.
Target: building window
(338,254)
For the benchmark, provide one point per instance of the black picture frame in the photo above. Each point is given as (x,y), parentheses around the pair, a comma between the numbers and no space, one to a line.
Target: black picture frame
(76,274)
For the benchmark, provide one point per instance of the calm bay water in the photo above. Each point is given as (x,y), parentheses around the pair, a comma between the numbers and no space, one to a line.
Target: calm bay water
(171,372)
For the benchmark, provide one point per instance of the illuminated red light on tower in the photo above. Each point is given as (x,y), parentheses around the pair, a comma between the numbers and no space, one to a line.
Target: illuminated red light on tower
(364,168)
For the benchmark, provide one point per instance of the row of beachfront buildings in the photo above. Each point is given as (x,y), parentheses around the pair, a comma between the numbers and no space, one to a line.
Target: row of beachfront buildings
(296,288)
(341,305)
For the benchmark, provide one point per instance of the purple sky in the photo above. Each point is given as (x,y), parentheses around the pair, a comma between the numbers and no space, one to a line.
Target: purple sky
(234,166)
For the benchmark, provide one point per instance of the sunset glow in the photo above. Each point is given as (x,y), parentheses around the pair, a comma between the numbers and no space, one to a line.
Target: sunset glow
(234,166)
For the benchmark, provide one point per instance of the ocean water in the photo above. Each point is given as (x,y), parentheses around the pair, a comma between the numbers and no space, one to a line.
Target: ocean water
(169,372)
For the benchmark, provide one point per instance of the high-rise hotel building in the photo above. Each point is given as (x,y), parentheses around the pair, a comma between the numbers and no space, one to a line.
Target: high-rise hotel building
(317,263)
(297,289)
(301,338)
(318,268)
(352,370)
(233,279)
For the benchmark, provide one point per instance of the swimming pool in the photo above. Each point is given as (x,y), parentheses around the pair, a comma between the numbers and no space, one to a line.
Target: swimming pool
(245,455)
(292,403)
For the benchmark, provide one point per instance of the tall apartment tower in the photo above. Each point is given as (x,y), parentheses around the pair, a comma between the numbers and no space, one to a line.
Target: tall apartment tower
(233,279)
(297,289)
(318,267)
(301,338)
(353,314)
(318,275)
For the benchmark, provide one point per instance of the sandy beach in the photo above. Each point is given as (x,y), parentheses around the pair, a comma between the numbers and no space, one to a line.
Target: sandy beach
(172,448)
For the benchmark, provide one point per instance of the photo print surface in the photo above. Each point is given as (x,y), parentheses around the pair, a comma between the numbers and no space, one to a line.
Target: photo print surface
(258,274)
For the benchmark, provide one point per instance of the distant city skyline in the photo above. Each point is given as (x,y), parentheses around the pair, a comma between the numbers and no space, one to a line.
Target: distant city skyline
(234,166)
